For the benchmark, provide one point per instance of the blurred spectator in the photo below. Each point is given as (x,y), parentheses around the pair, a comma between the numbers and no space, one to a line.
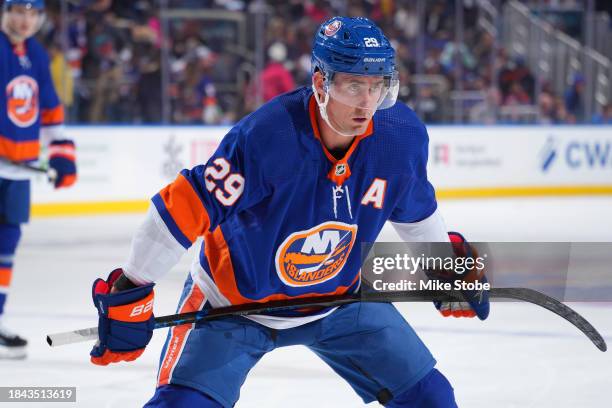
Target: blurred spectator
(207,92)
(561,114)
(438,17)
(452,52)
(316,10)
(516,95)
(407,20)
(605,117)
(114,49)
(146,27)
(574,99)
(483,49)
(428,105)
(548,113)
(148,91)
(515,71)
(275,78)
(485,112)
(61,75)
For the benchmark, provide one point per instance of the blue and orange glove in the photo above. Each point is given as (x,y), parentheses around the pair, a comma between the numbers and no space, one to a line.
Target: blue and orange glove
(126,321)
(62,159)
(476,301)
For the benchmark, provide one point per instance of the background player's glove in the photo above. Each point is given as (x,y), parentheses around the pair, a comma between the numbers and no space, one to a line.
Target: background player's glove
(477,301)
(126,320)
(62,158)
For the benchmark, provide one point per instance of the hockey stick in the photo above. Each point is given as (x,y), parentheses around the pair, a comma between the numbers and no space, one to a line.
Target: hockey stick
(523,294)
(51,173)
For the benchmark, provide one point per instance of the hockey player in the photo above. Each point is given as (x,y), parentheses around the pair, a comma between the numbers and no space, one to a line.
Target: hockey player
(282,206)
(29,110)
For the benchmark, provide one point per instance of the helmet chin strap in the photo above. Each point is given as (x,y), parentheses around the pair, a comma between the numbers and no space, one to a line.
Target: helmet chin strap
(323,110)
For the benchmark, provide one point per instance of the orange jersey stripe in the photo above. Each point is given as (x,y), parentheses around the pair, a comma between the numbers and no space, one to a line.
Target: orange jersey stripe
(185,207)
(19,151)
(218,256)
(194,301)
(5,276)
(53,116)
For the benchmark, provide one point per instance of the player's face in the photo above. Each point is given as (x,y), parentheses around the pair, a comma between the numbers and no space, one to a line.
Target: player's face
(22,21)
(353,101)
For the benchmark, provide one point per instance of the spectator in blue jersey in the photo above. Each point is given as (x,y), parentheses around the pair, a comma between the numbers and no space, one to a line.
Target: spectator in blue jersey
(283,207)
(29,110)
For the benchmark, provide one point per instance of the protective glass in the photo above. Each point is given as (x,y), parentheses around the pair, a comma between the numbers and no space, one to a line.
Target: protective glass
(369,92)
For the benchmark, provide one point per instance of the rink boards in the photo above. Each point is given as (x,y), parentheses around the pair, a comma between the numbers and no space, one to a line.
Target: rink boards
(120,167)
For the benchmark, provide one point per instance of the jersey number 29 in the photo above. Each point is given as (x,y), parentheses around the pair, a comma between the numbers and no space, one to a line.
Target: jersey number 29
(233,185)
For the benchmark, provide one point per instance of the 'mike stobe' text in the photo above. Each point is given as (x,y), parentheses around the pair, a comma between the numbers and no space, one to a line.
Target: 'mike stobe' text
(432,284)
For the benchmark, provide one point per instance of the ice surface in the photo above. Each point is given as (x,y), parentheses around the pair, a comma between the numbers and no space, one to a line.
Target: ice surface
(522,356)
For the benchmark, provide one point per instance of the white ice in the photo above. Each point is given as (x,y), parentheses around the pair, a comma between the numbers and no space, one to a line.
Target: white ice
(522,356)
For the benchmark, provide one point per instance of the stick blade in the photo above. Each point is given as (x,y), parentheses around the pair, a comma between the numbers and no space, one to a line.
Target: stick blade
(75,336)
(547,302)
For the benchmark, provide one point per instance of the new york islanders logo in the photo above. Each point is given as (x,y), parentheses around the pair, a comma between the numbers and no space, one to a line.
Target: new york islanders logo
(316,255)
(332,28)
(22,101)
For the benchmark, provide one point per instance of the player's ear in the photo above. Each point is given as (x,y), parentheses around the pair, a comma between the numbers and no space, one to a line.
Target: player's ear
(318,80)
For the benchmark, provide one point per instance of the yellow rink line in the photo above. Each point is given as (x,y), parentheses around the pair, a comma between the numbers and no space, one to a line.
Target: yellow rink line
(89,208)
(140,206)
(532,191)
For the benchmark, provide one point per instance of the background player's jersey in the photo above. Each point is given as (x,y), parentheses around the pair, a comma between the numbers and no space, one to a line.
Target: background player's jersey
(28,102)
(281,218)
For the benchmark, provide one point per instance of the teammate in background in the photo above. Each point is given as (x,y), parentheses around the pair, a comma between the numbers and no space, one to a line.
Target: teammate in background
(29,110)
(283,205)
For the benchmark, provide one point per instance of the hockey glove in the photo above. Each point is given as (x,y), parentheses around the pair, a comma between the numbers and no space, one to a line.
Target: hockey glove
(125,323)
(62,159)
(476,301)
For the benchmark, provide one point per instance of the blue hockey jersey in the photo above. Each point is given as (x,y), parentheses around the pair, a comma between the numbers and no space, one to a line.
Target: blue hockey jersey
(282,218)
(29,99)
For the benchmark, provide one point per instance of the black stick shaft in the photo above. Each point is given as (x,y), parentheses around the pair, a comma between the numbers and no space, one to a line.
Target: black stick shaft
(522,294)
